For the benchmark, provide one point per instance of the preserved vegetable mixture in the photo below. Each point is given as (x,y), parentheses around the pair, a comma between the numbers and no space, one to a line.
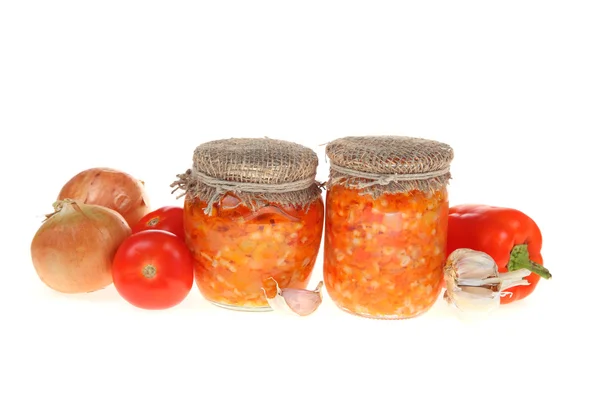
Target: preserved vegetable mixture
(386,225)
(253,219)
(384,255)
(237,250)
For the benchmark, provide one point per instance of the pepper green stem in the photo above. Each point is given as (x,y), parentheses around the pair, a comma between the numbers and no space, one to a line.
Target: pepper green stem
(519,258)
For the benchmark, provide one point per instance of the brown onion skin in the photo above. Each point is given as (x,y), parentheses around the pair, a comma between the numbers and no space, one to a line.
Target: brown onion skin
(110,188)
(73,252)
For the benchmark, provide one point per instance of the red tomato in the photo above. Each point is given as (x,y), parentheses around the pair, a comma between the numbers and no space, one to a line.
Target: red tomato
(153,270)
(169,218)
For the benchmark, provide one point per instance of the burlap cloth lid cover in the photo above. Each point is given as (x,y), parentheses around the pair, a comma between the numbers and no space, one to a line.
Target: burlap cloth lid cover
(257,170)
(388,164)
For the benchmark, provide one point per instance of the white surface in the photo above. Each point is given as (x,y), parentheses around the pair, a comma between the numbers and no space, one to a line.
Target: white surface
(514,88)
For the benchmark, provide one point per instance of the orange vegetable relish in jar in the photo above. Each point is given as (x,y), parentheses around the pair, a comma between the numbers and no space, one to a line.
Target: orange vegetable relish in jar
(265,221)
(386,225)
(237,250)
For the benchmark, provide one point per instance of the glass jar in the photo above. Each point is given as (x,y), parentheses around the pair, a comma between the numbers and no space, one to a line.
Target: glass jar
(386,225)
(242,235)
(238,250)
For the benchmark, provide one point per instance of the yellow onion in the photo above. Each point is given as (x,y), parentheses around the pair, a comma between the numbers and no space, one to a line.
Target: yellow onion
(72,251)
(110,188)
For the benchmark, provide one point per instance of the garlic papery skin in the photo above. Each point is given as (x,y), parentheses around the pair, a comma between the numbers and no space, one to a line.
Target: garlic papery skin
(473,283)
(296,302)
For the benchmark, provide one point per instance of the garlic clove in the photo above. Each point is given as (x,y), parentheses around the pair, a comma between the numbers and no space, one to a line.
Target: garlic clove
(514,278)
(473,283)
(303,302)
(473,265)
(300,302)
(475,299)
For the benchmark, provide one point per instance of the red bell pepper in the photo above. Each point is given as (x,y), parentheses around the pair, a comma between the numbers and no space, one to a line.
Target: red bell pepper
(507,235)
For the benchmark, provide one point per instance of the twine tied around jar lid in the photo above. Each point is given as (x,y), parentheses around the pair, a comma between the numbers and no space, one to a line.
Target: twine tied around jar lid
(257,171)
(388,164)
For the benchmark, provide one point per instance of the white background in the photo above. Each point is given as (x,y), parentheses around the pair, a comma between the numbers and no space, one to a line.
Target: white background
(514,87)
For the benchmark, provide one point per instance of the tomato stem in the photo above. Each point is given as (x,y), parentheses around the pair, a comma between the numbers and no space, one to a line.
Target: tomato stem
(153,221)
(149,271)
(519,258)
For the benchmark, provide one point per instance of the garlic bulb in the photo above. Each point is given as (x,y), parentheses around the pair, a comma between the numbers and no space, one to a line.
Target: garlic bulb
(295,301)
(473,283)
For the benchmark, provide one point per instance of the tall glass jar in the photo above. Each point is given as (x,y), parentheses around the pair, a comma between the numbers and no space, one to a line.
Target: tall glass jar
(253,212)
(386,224)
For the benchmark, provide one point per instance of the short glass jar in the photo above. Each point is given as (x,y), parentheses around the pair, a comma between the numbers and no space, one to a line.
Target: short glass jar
(386,225)
(253,211)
